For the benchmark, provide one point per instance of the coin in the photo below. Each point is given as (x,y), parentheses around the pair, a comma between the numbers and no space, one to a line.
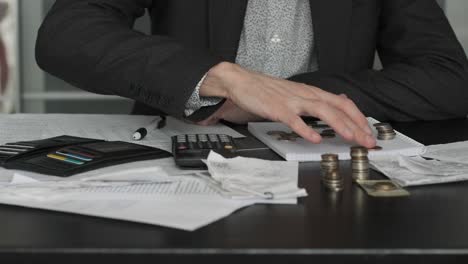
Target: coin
(385,131)
(289,137)
(386,136)
(384,186)
(330,157)
(327,135)
(275,133)
(377,125)
(331,177)
(376,148)
(320,126)
(360,163)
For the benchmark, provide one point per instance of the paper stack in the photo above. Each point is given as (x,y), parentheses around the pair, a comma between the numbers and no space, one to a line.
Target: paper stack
(439,164)
(154,193)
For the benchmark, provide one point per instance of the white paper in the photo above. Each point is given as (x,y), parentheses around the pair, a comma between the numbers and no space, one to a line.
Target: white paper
(146,192)
(302,150)
(453,152)
(23,127)
(21,179)
(20,128)
(407,171)
(420,165)
(185,212)
(183,202)
(22,186)
(249,178)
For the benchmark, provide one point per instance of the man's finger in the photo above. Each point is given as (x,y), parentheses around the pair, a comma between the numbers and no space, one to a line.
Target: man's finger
(302,129)
(346,105)
(341,123)
(360,136)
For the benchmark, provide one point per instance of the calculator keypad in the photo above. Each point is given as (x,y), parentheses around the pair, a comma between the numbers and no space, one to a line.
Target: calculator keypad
(190,149)
(202,141)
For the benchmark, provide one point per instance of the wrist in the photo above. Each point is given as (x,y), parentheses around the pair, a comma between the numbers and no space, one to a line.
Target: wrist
(216,83)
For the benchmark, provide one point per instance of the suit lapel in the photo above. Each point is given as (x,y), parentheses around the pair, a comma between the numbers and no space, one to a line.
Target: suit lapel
(226,19)
(332,20)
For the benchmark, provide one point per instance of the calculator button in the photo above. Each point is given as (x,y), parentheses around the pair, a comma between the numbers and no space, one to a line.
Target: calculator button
(192,138)
(203,138)
(213,138)
(209,145)
(200,145)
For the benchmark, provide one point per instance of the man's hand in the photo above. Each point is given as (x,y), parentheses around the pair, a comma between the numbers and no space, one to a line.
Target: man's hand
(231,113)
(285,101)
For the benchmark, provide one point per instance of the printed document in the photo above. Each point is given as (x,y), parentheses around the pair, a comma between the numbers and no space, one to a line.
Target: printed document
(24,127)
(186,203)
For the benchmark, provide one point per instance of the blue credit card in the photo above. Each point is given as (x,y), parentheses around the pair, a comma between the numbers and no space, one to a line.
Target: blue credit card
(75,156)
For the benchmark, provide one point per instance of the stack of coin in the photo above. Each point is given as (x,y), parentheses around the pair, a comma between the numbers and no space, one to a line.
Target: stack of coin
(360,163)
(330,173)
(386,131)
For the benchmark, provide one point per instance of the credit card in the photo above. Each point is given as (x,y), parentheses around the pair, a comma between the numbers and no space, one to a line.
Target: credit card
(79,152)
(9,153)
(65,159)
(12,149)
(12,145)
(75,156)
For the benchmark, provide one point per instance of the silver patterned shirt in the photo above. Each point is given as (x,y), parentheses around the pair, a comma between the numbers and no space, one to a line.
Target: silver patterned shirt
(277,40)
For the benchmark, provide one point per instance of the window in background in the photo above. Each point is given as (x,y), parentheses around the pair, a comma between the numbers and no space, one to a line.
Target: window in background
(456,12)
(8,55)
(44,93)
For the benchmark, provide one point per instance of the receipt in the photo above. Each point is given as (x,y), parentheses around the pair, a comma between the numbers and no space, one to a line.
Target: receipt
(414,171)
(248,178)
(453,152)
(420,165)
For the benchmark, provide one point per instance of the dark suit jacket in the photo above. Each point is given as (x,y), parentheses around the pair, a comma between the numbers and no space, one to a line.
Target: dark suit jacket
(89,43)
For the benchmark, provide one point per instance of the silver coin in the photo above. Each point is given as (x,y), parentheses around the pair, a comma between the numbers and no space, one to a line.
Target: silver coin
(329,157)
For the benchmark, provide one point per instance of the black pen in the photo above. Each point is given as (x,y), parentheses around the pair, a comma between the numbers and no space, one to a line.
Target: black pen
(141,133)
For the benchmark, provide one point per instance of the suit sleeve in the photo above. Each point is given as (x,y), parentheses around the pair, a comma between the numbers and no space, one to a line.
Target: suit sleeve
(425,74)
(91,44)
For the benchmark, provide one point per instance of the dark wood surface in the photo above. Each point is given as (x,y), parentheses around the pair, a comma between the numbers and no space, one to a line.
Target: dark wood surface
(350,227)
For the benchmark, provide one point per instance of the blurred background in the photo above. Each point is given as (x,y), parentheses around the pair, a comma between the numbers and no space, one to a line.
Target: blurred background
(24,88)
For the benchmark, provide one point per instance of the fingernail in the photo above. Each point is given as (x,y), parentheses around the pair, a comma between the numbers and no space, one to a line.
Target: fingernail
(348,133)
(371,140)
(316,138)
(368,130)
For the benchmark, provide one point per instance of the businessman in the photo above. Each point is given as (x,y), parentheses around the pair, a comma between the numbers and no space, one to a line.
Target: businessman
(241,60)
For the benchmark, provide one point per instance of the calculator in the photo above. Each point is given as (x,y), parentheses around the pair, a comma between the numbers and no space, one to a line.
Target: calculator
(189,150)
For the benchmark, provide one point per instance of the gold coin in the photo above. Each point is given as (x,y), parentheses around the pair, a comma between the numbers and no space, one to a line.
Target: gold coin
(385,186)
(382,125)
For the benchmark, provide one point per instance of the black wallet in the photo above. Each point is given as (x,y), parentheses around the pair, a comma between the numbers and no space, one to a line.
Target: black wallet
(66,155)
